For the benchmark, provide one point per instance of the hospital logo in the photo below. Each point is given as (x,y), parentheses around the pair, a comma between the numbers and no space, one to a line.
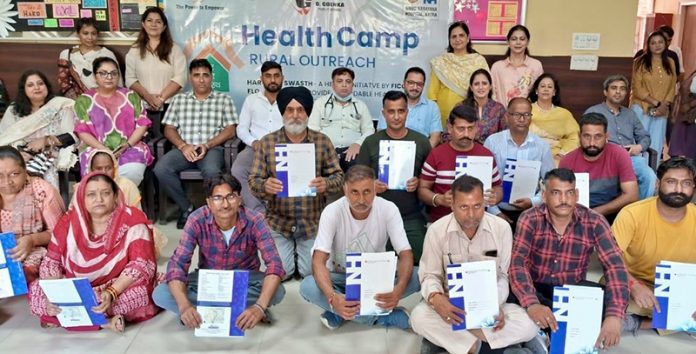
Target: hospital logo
(302,6)
(220,54)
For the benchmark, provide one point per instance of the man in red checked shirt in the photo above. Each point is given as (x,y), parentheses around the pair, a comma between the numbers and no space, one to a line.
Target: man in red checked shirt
(552,247)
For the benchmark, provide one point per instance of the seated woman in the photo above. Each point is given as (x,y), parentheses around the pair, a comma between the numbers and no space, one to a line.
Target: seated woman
(40,124)
(109,243)
(31,208)
(112,118)
(551,122)
(479,97)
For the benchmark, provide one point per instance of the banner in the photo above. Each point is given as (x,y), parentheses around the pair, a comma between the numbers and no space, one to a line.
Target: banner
(379,40)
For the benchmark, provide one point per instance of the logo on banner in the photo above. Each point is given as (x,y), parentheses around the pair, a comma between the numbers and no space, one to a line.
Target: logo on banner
(220,54)
(303,6)
(424,9)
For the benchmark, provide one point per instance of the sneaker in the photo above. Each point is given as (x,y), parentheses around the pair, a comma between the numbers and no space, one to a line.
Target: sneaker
(331,320)
(538,344)
(398,318)
(630,324)
(181,221)
(427,347)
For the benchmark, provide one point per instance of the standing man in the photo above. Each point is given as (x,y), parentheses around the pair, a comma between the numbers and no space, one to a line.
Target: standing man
(395,111)
(197,123)
(625,129)
(552,247)
(342,117)
(294,221)
(259,116)
(423,114)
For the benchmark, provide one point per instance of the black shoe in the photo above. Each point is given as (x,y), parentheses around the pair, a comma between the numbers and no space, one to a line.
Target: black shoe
(427,347)
(181,222)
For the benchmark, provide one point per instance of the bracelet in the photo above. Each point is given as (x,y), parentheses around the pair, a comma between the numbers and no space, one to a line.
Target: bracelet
(129,144)
(430,297)
(263,311)
(631,282)
(180,147)
(112,292)
(432,201)
(206,146)
(330,300)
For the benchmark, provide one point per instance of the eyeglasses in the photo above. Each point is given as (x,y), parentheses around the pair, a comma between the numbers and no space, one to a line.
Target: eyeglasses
(230,198)
(107,74)
(518,115)
(414,83)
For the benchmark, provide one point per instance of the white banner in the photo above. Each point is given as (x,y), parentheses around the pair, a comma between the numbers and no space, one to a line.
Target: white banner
(379,40)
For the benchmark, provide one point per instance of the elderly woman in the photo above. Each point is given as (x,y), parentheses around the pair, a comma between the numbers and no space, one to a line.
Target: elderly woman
(109,243)
(41,125)
(551,122)
(31,208)
(112,118)
(479,97)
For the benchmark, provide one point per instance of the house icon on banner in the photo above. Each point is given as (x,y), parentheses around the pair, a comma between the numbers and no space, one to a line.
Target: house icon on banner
(221,59)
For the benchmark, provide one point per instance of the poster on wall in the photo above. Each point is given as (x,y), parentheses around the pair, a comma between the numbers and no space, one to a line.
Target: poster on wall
(489,20)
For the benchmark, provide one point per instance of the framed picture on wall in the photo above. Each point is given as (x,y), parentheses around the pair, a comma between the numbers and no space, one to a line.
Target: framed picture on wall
(489,20)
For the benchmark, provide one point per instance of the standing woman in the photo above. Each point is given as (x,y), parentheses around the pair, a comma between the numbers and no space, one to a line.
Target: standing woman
(75,74)
(452,70)
(490,113)
(652,89)
(514,75)
(155,66)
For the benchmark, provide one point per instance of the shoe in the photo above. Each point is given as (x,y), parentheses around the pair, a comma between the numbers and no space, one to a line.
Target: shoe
(630,324)
(331,320)
(181,221)
(398,318)
(427,347)
(538,344)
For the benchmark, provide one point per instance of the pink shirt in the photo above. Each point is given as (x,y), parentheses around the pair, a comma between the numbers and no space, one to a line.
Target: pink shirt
(510,81)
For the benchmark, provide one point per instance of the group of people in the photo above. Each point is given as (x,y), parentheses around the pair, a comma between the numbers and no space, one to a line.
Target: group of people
(512,112)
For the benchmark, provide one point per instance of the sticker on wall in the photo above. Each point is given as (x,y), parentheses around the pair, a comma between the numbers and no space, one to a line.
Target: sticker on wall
(31,10)
(66,11)
(94,4)
(100,15)
(85,13)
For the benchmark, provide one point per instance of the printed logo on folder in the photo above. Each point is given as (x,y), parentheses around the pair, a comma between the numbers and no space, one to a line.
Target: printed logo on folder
(675,284)
(396,162)
(578,312)
(76,298)
(222,298)
(368,274)
(472,287)
(12,280)
(295,168)
(508,178)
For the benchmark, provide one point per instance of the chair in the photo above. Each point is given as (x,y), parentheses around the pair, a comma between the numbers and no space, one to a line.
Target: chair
(64,178)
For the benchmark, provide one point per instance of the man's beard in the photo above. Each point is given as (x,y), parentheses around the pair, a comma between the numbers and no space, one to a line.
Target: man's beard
(592,151)
(295,128)
(272,90)
(674,200)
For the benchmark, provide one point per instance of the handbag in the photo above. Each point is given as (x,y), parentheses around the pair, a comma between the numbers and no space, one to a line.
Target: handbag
(69,81)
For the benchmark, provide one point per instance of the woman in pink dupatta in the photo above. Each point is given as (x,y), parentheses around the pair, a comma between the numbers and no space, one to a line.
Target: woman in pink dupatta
(110,244)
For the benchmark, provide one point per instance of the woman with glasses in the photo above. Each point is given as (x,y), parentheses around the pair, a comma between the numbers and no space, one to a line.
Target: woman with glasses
(479,97)
(75,74)
(113,118)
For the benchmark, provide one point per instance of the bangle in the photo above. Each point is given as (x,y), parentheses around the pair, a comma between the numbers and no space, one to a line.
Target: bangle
(430,297)
(129,144)
(432,201)
(631,282)
(112,292)
(263,310)
(180,147)
(206,146)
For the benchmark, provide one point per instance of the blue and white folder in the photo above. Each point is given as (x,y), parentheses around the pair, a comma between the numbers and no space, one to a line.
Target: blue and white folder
(295,167)
(480,167)
(222,298)
(76,298)
(578,312)
(369,274)
(675,286)
(520,180)
(396,162)
(472,287)
(12,280)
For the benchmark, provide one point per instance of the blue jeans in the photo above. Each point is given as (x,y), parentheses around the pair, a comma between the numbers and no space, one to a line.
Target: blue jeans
(288,247)
(655,126)
(164,299)
(168,167)
(311,292)
(647,179)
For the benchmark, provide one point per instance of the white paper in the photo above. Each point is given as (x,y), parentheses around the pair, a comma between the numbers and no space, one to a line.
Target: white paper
(525,178)
(480,167)
(296,162)
(675,285)
(214,286)
(586,41)
(62,291)
(396,161)
(375,276)
(580,309)
(476,283)
(216,321)
(584,62)
(582,184)
(6,289)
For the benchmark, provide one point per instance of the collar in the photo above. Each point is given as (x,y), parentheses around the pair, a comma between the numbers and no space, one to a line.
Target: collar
(242,219)
(453,227)
(191,94)
(527,139)
(547,214)
(610,110)
(525,62)
(421,100)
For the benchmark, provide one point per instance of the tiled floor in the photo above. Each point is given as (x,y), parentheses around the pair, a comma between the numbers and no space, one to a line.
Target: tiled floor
(297,330)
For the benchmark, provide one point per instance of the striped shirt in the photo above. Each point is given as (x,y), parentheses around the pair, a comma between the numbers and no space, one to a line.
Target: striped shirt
(198,122)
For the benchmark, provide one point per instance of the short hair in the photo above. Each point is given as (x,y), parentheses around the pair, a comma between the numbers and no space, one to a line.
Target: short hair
(609,80)
(561,174)
(341,71)
(268,65)
(462,111)
(415,69)
(9,152)
(593,118)
(97,63)
(517,99)
(358,173)
(200,63)
(666,30)
(102,177)
(85,21)
(556,99)
(223,178)
(677,162)
(394,96)
(466,184)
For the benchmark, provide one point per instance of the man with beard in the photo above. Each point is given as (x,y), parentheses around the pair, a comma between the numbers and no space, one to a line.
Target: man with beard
(197,123)
(293,221)
(423,114)
(360,221)
(625,129)
(661,228)
(439,169)
(259,116)
(612,180)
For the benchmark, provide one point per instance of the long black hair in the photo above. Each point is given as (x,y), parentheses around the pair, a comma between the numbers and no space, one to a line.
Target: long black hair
(22,104)
(164,48)
(513,30)
(465,28)
(556,99)
(470,100)
(645,59)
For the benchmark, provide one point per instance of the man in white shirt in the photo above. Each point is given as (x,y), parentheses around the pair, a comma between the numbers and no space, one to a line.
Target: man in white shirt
(358,222)
(259,116)
(343,118)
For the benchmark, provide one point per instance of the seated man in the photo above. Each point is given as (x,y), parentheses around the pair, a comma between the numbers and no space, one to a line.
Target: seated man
(197,123)
(358,222)
(612,181)
(467,234)
(439,167)
(228,237)
(552,247)
(661,228)
(625,129)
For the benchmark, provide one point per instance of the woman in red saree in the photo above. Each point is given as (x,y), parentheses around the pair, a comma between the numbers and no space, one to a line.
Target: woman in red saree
(110,244)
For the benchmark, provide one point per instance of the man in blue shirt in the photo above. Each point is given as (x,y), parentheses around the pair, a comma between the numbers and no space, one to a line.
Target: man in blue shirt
(423,114)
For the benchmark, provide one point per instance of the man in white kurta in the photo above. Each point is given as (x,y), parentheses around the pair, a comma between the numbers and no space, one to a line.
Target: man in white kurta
(468,234)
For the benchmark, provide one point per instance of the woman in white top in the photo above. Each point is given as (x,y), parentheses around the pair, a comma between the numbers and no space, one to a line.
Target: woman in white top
(75,74)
